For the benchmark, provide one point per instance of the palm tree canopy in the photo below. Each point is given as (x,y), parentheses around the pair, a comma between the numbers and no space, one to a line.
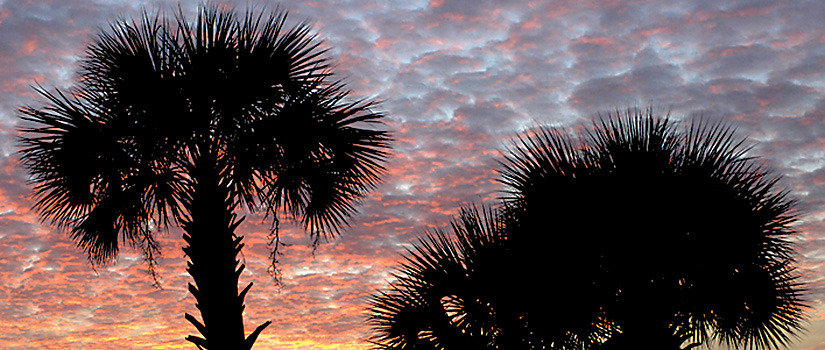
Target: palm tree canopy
(471,289)
(680,222)
(635,232)
(158,99)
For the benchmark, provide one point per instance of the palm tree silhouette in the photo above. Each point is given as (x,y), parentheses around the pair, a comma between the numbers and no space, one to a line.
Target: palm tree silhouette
(687,236)
(657,235)
(179,123)
(473,291)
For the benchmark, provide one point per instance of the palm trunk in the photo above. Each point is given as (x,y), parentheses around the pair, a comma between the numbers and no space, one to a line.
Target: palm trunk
(212,248)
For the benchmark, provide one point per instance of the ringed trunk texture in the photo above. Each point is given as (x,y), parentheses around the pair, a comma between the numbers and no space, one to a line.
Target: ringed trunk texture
(212,248)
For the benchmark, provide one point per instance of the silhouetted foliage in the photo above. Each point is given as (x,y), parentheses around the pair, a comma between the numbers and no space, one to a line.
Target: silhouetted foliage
(645,234)
(179,123)
(474,291)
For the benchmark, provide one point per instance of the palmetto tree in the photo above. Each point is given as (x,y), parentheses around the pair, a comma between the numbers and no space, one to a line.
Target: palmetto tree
(688,236)
(475,291)
(663,237)
(179,123)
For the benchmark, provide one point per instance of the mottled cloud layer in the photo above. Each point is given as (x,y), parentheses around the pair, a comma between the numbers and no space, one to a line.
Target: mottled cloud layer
(458,79)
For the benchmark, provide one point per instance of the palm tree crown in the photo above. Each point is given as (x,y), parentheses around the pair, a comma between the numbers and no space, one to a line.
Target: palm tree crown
(175,122)
(635,232)
(683,236)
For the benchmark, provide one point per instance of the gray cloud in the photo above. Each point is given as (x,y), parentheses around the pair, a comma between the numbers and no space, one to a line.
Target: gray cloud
(458,80)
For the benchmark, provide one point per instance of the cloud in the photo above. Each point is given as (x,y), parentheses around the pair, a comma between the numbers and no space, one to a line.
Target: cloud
(458,79)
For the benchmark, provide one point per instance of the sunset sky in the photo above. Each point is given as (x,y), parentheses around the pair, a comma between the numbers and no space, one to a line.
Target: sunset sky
(458,80)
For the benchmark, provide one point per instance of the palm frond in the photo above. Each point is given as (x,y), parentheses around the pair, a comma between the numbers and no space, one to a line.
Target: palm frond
(87,179)
(319,173)
(466,290)
(426,306)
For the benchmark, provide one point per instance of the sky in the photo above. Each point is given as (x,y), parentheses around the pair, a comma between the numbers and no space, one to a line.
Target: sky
(459,80)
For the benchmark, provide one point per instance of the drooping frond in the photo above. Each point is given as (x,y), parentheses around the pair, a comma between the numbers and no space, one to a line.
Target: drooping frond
(89,178)
(323,170)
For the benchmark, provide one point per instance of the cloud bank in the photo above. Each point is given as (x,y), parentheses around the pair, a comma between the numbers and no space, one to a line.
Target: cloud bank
(458,80)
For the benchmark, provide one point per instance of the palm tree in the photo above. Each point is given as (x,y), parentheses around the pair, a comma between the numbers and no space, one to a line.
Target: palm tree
(648,233)
(474,291)
(179,123)
(688,236)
